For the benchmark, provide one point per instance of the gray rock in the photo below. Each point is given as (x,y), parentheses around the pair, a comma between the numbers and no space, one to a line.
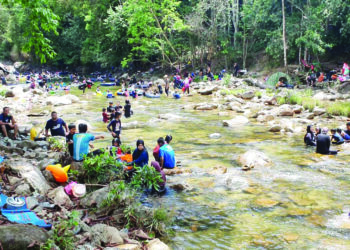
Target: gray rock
(205,106)
(48,176)
(180,186)
(31,175)
(215,136)
(95,198)
(248,95)
(310,116)
(13,180)
(208,91)
(237,121)
(102,233)
(156,244)
(59,197)
(19,236)
(319,111)
(285,110)
(27,144)
(275,128)
(253,158)
(23,190)
(9,93)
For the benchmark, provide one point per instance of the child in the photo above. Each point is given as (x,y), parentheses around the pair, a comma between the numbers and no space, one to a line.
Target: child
(69,138)
(115,148)
(127,109)
(105,117)
(336,138)
(115,126)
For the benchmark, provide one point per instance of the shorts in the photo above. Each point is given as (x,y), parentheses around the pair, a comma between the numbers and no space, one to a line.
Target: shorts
(117,134)
(8,128)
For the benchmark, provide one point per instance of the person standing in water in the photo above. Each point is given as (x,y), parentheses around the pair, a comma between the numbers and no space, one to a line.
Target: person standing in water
(323,143)
(127,109)
(167,85)
(309,137)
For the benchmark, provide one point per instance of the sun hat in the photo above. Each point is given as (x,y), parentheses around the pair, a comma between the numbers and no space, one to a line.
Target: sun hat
(79,190)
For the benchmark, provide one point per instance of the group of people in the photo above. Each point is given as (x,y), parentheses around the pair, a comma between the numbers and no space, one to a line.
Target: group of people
(321,139)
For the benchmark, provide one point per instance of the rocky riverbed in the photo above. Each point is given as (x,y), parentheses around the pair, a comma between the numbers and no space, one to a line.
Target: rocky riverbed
(238,122)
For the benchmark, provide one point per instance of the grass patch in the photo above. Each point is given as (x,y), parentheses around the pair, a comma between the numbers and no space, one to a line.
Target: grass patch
(232,91)
(339,109)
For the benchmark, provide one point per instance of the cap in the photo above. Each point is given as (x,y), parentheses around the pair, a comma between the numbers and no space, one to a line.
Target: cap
(110,102)
(79,190)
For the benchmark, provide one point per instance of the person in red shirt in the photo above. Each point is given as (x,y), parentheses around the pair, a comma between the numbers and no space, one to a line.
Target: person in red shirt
(105,116)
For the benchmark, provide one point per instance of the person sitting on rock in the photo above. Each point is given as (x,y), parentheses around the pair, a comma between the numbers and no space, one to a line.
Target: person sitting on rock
(323,143)
(336,138)
(309,137)
(166,154)
(140,154)
(81,142)
(8,123)
(56,126)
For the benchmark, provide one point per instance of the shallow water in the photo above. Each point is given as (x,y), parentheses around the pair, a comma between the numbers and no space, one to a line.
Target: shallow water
(295,203)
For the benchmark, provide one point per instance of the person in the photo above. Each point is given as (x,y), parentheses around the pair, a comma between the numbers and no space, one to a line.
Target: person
(347,131)
(110,107)
(311,79)
(115,148)
(323,143)
(81,142)
(166,154)
(176,95)
(156,153)
(109,94)
(236,69)
(167,85)
(69,138)
(160,89)
(140,154)
(115,126)
(345,136)
(112,115)
(35,133)
(187,86)
(56,126)
(83,86)
(8,123)
(118,107)
(127,109)
(105,116)
(161,184)
(336,137)
(168,139)
(317,131)
(309,138)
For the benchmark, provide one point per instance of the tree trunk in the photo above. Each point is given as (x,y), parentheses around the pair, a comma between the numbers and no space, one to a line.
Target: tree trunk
(284,36)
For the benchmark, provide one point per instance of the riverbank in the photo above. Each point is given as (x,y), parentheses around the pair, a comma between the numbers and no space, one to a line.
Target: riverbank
(217,196)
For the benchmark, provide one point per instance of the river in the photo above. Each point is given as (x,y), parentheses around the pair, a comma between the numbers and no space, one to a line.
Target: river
(301,201)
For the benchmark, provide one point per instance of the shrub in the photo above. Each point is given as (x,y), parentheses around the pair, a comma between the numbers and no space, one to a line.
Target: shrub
(146,177)
(102,168)
(339,108)
(57,144)
(226,80)
(258,94)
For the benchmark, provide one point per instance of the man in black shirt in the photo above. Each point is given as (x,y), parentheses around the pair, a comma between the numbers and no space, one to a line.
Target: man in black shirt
(323,143)
(7,122)
(56,126)
(110,107)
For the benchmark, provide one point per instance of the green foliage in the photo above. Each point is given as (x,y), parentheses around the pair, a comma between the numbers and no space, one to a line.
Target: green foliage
(339,109)
(146,177)
(226,80)
(258,94)
(125,148)
(274,78)
(63,233)
(57,144)
(102,168)
(235,92)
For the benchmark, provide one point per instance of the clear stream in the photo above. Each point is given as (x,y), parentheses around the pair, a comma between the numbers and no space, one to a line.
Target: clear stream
(299,202)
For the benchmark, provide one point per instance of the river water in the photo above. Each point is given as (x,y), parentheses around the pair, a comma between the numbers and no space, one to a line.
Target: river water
(299,202)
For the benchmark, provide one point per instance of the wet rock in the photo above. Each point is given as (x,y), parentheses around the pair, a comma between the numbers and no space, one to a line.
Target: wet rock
(205,106)
(289,237)
(72,98)
(156,244)
(265,202)
(252,159)
(19,236)
(169,117)
(218,170)
(248,95)
(319,111)
(180,186)
(59,197)
(176,170)
(310,116)
(275,128)
(235,182)
(215,136)
(31,175)
(95,198)
(237,121)
(340,221)
(265,118)
(58,100)
(285,110)
(23,190)
(9,93)
(208,91)
(320,96)
(298,109)
(125,247)
(13,180)
(104,234)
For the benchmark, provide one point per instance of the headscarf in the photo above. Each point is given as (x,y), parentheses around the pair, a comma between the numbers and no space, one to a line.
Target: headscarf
(308,131)
(136,154)
(158,169)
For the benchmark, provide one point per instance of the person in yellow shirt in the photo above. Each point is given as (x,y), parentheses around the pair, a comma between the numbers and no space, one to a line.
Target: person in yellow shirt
(35,133)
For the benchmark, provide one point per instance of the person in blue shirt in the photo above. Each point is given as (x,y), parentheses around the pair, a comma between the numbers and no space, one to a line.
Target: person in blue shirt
(81,142)
(56,126)
(336,138)
(166,154)
(343,134)
(140,154)
(115,126)
(7,122)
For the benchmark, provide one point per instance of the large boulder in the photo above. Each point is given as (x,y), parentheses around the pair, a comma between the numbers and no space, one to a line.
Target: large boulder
(206,106)
(252,159)
(102,233)
(9,93)
(208,90)
(275,128)
(95,198)
(237,121)
(31,175)
(11,78)
(156,244)
(19,236)
(58,100)
(319,111)
(27,144)
(73,98)
(344,88)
